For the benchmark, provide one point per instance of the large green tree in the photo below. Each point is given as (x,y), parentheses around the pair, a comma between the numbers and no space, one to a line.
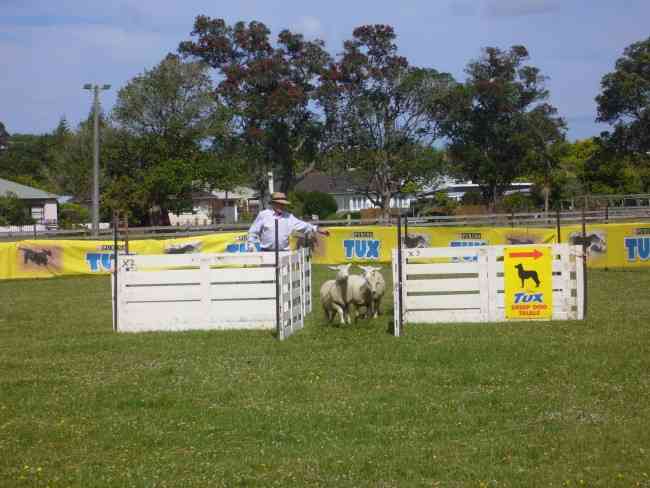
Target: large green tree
(163,119)
(377,107)
(25,159)
(46,161)
(268,89)
(547,147)
(624,102)
(70,156)
(588,167)
(497,118)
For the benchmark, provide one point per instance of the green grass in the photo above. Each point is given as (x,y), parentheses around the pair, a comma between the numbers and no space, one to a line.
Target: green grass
(507,405)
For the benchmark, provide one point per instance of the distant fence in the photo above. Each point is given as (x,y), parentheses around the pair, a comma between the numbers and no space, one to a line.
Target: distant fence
(532,220)
(467,284)
(212,291)
(32,230)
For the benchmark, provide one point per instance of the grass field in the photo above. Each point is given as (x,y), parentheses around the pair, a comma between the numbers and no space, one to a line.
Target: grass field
(508,405)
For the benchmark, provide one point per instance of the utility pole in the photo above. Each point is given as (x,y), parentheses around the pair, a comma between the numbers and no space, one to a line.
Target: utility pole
(95,195)
(271,186)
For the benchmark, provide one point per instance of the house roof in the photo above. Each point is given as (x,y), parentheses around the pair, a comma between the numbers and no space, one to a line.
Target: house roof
(24,192)
(319,181)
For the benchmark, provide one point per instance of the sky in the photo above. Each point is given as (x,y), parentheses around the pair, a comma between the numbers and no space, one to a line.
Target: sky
(50,48)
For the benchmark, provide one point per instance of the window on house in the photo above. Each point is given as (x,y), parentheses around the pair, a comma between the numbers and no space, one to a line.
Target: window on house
(38,214)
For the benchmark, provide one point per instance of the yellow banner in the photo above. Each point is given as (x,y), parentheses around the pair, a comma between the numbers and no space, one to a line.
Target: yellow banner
(608,245)
(528,274)
(374,243)
(613,245)
(49,258)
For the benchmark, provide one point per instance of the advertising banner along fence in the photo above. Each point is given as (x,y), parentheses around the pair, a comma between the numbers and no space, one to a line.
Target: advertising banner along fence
(608,246)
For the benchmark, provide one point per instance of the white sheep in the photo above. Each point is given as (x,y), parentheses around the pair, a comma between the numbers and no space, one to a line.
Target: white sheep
(358,295)
(333,294)
(377,288)
(366,291)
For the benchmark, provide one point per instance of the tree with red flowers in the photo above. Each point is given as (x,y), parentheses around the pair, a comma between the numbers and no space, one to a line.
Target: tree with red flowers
(268,89)
(378,109)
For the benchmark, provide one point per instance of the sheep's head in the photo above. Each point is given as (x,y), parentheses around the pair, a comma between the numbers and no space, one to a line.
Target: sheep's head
(342,272)
(373,278)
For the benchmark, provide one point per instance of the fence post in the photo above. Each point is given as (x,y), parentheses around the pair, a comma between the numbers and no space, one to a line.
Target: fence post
(400,305)
(557,225)
(584,256)
(278,290)
(115,291)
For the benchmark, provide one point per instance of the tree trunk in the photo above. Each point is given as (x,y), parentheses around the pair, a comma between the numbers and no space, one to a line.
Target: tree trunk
(263,191)
(164,217)
(492,208)
(385,207)
(547,193)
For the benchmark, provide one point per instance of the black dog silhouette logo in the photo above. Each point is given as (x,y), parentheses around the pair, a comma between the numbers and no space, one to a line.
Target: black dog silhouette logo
(527,275)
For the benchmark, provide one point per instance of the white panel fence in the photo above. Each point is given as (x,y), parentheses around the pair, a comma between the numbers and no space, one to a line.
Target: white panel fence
(212,291)
(452,284)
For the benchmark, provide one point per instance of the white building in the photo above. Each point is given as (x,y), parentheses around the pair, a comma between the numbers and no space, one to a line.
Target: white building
(347,198)
(217,206)
(456,189)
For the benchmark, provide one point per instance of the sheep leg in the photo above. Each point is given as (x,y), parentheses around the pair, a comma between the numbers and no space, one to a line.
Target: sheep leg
(340,311)
(364,314)
(352,314)
(328,315)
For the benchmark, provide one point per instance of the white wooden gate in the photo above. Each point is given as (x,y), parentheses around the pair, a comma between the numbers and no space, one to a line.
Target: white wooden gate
(465,284)
(295,294)
(212,291)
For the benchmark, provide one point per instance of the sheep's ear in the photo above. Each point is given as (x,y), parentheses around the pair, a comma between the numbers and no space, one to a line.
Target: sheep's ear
(364,268)
(333,268)
(375,268)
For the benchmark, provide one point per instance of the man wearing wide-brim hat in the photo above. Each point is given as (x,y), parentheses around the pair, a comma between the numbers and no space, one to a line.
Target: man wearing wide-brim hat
(263,229)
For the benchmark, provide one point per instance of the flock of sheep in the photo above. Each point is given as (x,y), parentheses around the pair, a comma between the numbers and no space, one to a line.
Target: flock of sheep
(346,294)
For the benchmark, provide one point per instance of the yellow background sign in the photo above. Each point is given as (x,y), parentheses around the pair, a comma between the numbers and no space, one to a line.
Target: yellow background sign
(528,274)
(608,245)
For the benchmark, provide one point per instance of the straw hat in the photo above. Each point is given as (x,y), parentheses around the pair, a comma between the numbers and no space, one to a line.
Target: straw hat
(279,197)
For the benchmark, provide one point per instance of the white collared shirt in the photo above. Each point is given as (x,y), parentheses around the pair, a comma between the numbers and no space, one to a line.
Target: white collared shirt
(262,231)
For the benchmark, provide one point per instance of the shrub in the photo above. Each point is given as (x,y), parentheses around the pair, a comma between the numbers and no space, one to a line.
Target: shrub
(14,211)
(73,214)
(441,204)
(472,197)
(312,203)
(516,202)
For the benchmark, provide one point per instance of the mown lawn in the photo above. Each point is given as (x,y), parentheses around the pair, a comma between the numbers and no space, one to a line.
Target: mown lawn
(508,405)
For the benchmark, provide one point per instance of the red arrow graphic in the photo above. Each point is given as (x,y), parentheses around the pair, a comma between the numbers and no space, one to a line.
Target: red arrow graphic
(535,254)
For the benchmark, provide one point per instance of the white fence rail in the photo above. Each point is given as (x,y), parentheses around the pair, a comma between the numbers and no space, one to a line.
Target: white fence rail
(212,291)
(467,284)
